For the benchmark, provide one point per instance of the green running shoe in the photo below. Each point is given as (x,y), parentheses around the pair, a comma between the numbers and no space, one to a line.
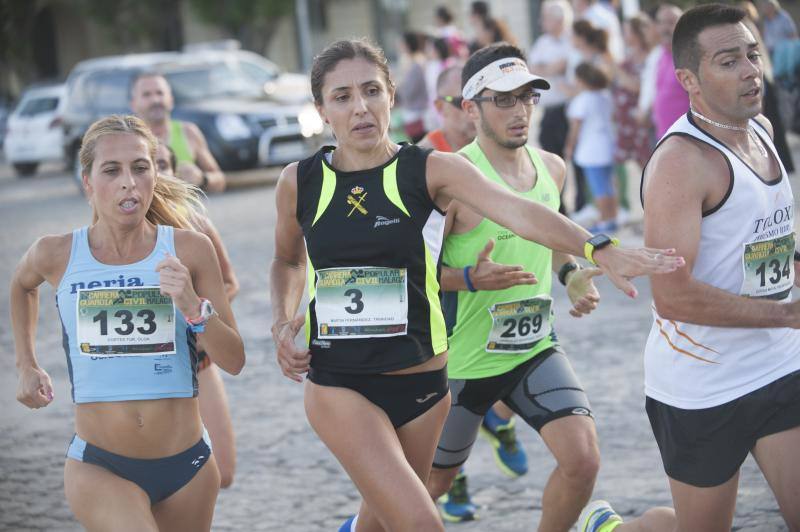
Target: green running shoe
(508,454)
(456,506)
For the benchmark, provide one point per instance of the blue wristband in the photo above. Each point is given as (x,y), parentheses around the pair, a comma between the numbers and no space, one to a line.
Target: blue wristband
(199,328)
(466,279)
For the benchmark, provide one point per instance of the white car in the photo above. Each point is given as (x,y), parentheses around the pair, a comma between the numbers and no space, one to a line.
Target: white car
(35,133)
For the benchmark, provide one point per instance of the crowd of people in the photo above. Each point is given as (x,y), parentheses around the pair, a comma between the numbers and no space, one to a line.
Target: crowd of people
(429,277)
(605,117)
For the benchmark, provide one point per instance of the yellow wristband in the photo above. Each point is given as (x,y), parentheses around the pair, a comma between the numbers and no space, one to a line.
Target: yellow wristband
(588,250)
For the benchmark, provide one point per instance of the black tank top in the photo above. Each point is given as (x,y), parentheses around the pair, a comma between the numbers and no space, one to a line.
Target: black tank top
(374,240)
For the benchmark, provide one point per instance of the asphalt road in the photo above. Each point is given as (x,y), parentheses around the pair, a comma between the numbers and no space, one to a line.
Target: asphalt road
(286,479)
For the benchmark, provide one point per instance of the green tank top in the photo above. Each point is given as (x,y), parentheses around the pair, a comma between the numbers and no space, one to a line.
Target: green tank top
(492,332)
(179,143)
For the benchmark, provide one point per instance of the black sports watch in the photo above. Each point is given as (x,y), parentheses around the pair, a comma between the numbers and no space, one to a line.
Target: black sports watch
(597,242)
(565,270)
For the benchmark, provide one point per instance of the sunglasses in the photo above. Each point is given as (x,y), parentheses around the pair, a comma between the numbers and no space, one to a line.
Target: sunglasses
(455,101)
(510,100)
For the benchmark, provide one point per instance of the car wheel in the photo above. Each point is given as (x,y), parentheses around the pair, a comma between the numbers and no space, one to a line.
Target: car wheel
(26,169)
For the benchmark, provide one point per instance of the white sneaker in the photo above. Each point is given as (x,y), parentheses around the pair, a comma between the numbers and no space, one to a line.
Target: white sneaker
(598,516)
(586,216)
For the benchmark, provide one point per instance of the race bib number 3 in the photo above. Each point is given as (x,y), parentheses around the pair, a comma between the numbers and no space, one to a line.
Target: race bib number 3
(768,268)
(125,322)
(367,302)
(518,325)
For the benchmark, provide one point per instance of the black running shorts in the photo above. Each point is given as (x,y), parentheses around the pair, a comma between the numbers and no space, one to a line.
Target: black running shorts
(706,447)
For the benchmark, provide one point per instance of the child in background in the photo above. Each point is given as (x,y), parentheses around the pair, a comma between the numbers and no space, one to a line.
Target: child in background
(590,142)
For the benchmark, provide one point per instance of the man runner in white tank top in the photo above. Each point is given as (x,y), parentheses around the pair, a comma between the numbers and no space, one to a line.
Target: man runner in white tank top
(722,358)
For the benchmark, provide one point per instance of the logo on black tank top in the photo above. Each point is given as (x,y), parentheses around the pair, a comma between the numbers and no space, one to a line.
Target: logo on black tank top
(383,220)
(356,199)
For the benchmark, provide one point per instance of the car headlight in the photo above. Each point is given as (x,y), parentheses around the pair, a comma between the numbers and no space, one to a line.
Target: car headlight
(310,122)
(233,127)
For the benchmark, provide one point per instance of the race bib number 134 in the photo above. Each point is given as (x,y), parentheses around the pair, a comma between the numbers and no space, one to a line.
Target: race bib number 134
(768,268)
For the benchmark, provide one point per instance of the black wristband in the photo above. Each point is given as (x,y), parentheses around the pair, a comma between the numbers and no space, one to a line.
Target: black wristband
(204,182)
(564,271)
(797,255)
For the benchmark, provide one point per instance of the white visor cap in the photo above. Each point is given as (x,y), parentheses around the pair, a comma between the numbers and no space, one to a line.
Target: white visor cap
(504,75)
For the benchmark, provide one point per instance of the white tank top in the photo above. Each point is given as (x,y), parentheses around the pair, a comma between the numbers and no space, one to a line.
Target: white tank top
(746,248)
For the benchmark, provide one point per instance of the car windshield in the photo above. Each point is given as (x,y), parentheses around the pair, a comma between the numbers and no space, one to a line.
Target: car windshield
(35,106)
(224,79)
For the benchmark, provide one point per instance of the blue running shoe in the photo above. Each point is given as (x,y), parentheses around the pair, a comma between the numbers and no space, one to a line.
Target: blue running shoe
(508,454)
(456,506)
(598,516)
(348,526)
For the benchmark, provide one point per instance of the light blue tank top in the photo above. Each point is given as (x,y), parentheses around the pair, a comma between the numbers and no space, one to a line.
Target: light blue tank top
(123,340)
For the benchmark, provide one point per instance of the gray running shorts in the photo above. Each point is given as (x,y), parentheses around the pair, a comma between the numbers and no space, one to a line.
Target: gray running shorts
(539,390)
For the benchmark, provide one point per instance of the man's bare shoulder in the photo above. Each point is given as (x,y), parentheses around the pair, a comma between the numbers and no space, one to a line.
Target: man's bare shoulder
(555,165)
(193,133)
(681,156)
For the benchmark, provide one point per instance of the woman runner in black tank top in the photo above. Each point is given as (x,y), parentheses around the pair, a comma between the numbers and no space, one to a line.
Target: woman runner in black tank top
(362,224)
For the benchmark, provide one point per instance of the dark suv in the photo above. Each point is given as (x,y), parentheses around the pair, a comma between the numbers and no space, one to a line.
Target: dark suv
(250,112)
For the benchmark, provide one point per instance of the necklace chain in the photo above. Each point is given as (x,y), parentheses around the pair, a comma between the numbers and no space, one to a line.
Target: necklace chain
(749,130)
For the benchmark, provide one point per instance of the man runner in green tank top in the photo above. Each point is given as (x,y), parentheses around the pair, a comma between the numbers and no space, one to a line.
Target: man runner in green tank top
(457,131)
(151,100)
(502,346)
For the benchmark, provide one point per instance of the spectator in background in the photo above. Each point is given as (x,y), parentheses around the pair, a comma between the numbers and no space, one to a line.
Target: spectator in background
(591,46)
(491,30)
(548,58)
(670,100)
(445,29)
(633,140)
(778,24)
(478,13)
(590,143)
(647,85)
(412,94)
(602,17)
(438,58)
(751,10)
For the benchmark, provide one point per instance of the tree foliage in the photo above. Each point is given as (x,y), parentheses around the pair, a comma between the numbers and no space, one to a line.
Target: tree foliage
(252,22)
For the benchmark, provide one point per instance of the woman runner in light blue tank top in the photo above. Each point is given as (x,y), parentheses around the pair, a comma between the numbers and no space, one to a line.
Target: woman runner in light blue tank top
(134,295)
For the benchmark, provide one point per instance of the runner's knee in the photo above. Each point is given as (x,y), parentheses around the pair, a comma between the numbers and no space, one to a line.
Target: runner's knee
(581,466)
(440,480)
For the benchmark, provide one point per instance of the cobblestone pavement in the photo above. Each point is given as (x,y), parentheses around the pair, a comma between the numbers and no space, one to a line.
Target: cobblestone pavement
(286,479)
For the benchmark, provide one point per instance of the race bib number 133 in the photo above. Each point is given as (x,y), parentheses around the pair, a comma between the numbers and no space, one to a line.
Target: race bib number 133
(125,322)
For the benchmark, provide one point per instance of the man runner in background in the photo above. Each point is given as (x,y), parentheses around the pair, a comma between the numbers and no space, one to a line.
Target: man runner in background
(152,101)
(501,342)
